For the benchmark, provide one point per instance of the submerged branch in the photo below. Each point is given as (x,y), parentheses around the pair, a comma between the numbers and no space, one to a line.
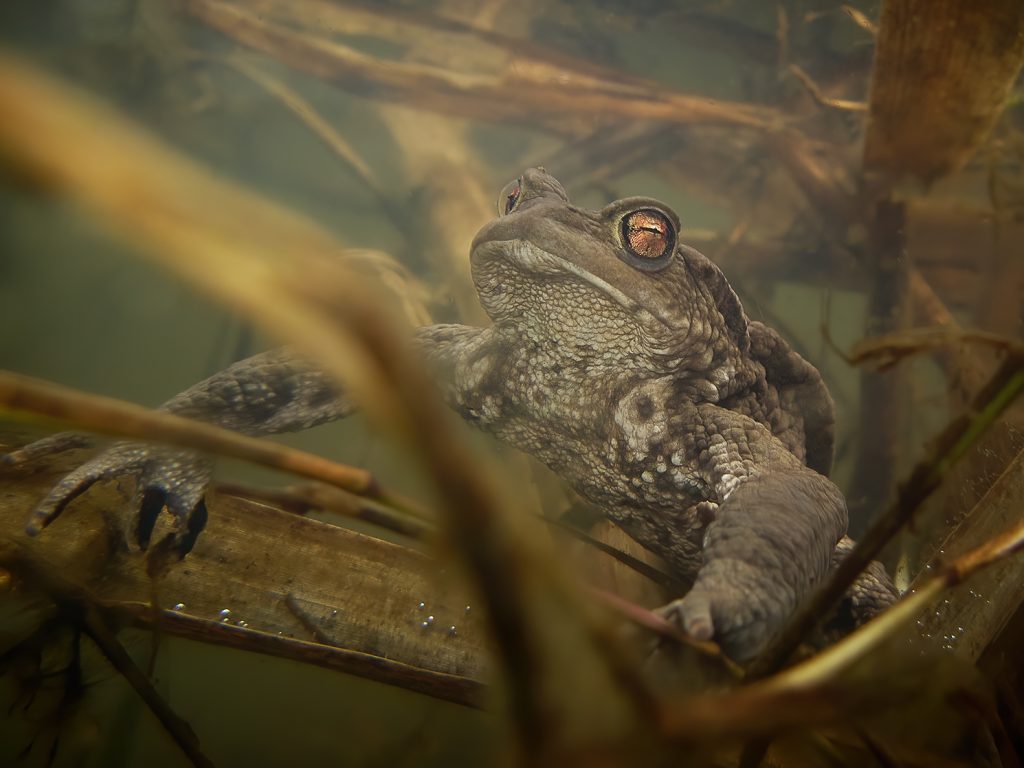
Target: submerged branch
(1004,387)
(522,94)
(945,64)
(362,592)
(887,350)
(109,416)
(301,499)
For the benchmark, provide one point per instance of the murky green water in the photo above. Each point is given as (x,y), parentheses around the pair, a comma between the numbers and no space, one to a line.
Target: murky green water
(77,308)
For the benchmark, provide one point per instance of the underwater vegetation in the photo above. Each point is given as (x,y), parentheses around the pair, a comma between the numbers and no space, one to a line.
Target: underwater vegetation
(317,171)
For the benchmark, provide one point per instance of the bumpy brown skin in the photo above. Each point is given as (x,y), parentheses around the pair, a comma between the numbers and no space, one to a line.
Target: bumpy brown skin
(644,385)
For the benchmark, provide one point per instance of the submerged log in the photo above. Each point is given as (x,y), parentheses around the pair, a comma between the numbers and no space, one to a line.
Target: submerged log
(293,587)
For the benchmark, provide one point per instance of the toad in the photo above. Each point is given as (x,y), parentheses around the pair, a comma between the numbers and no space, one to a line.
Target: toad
(622,359)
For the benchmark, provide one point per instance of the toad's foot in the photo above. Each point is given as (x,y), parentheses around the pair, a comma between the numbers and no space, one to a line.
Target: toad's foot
(734,604)
(165,478)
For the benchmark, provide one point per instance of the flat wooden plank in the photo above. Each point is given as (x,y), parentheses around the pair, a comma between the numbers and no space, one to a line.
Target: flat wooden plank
(971,616)
(345,589)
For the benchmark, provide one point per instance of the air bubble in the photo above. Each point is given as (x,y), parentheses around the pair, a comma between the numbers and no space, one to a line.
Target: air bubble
(421,605)
(469,608)
(452,631)
(179,606)
(225,614)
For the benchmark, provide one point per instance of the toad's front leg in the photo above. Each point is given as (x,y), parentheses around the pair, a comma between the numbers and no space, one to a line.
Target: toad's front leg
(269,393)
(772,537)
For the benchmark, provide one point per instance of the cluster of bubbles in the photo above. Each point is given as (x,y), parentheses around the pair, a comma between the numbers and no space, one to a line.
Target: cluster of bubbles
(224,615)
(428,621)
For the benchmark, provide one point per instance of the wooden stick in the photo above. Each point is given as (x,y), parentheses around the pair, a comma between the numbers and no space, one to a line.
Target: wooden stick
(109,416)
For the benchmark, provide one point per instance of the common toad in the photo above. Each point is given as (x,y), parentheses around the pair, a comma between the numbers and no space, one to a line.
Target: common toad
(623,360)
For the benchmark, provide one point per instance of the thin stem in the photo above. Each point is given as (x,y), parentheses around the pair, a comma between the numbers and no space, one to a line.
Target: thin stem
(176,727)
(107,415)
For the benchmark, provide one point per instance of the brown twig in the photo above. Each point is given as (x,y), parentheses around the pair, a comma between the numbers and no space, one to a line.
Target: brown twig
(821,99)
(887,350)
(115,653)
(644,569)
(300,499)
(306,620)
(107,415)
(860,19)
(522,94)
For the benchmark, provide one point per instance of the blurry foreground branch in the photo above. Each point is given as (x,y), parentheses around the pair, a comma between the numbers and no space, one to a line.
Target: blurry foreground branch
(288,275)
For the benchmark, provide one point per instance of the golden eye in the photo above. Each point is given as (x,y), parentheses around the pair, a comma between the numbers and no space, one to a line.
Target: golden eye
(509,197)
(648,234)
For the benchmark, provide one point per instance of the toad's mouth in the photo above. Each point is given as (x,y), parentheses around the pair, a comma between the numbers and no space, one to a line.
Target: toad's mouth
(531,259)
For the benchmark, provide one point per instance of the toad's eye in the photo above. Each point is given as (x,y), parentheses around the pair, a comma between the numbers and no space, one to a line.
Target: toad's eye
(509,197)
(649,237)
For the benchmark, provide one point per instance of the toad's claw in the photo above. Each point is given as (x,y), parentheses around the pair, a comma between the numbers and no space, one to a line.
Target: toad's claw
(165,478)
(46,446)
(176,481)
(72,486)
